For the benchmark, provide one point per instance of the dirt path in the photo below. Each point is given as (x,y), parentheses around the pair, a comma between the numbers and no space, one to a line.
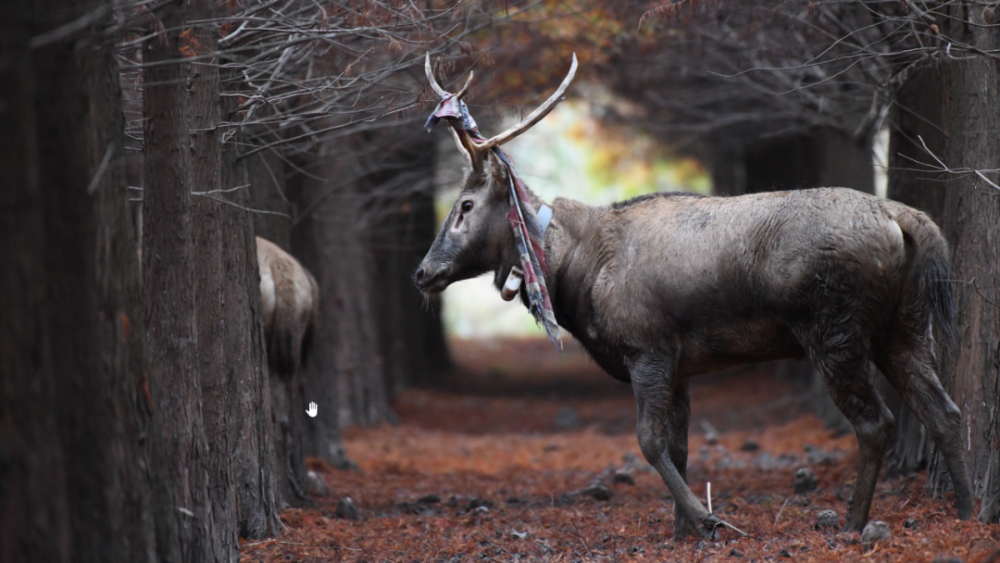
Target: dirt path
(503,466)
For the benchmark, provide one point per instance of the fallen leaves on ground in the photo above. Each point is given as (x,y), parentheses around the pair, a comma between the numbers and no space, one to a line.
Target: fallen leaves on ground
(479,470)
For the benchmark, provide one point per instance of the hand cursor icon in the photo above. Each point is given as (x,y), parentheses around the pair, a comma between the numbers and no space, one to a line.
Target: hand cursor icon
(313,410)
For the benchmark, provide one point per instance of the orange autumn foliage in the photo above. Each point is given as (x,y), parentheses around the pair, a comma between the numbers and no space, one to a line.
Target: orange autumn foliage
(510,483)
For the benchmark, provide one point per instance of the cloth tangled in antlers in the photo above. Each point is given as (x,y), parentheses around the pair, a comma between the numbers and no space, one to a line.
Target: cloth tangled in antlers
(523,219)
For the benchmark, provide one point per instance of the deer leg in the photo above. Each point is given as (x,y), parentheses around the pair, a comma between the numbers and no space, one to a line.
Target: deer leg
(914,376)
(654,395)
(852,390)
(678,416)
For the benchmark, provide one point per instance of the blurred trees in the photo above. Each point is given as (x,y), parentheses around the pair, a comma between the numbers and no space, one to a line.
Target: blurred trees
(74,411)
(132,432)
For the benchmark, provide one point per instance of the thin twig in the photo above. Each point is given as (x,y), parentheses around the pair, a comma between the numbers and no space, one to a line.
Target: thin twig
(579,537)
(708,495)
(782,510)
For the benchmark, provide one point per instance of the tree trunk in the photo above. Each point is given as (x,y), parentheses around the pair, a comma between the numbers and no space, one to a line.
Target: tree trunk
(411,335)
(915,120)
(256,474)
(269,195)
(820,158)
(972,224)
(34,515)
(211,225)
(66,226)
(274,223)
(235,402)
(183,514)
(728,167)
(345,376)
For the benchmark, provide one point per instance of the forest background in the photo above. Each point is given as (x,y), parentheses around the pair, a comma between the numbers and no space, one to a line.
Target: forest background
(147,142)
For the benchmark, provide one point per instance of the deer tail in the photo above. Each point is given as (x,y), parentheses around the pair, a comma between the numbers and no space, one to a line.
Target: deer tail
(930,260)
(283,338)
(310,331)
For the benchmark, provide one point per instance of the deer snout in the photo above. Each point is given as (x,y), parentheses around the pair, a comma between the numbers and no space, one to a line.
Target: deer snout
(431,278)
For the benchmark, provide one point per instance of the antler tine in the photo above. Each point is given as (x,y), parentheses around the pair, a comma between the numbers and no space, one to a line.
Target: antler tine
(465,89)
(535,116)
(441,92)
(461,148)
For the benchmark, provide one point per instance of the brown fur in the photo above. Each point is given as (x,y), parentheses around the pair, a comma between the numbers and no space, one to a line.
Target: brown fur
(660,289)
(290,298)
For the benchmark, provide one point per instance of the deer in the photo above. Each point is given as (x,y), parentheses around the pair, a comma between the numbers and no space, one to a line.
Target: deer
(290,299)
(665,287)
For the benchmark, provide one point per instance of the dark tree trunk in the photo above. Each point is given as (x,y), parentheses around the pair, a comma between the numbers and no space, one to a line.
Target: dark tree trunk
(972,224)
(95,295)
(66,226)
(915,121)
(210,234)
(269,195)
(822,158)
(274,223)
(345,376)
(34,515)
(917,115)
(728,167)
(411,335)
(183,514)
(235,402)
(255,470)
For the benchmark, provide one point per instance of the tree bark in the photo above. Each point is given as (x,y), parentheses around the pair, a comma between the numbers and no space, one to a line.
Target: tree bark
(821,158)
(211,223)
(66,224)
(411,335)
(915,121)
(345,376)
(235,402)
(274,223)
(183,515)
(270,197)
(34,513)
(258,495)
(972,224)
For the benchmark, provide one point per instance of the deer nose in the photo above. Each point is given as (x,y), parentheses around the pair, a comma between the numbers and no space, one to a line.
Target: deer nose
(419,275)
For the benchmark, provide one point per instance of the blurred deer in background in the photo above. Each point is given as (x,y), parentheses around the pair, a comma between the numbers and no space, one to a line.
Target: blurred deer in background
(290,299)
(664,287)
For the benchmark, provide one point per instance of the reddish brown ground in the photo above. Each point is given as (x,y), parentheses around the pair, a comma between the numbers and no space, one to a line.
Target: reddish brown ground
(488,438)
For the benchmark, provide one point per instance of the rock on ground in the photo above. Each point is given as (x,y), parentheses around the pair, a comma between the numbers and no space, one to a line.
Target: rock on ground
(316,484)
(347,510)
(597,492)
(827,519)
(622,476)
(874,531)
(568,419)
(805,481)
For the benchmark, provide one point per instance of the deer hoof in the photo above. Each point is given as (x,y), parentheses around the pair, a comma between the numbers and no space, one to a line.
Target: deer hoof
(709,527)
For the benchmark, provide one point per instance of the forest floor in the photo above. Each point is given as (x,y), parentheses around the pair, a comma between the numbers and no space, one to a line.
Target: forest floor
(501,461)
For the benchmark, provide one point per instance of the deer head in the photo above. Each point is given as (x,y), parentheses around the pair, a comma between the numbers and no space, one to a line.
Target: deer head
(493,225)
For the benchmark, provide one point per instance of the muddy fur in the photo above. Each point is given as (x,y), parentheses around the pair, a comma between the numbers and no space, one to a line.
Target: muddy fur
(662,288)
(290,299)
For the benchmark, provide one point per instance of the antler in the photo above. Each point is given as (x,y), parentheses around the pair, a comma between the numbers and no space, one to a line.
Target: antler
(476,148)
(441,92)
(535,116)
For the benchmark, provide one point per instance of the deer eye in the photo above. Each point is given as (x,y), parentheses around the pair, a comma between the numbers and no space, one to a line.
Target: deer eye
(466,206)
